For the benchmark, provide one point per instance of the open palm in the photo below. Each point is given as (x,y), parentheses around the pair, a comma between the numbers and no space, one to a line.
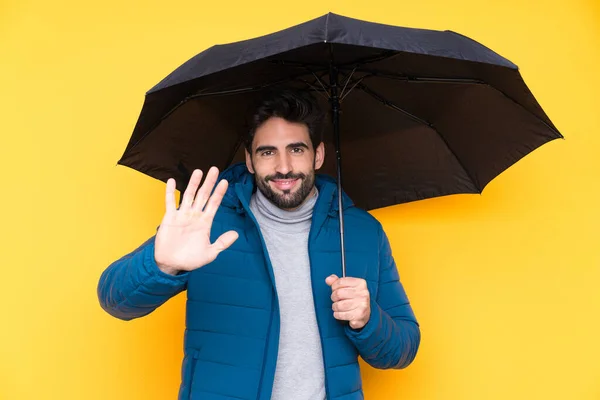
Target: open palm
(182,242)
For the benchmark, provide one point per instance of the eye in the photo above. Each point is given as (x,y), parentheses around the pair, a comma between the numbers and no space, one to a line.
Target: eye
(266,153)
(298,150)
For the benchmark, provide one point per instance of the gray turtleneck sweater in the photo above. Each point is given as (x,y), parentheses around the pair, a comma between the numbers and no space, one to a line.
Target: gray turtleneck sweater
(299,372)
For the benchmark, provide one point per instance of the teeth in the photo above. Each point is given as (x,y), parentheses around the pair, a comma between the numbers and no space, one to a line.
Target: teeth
(288,182)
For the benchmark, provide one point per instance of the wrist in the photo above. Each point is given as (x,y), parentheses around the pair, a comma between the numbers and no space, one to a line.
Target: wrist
(167,269)
(358,325)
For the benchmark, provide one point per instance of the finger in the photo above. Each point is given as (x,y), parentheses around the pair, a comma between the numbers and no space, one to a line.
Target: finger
(344,315)
(347,282)
(170,196)
(347,293)
(207,187)
(331,279)
(190,190)
(345,305)
(215,199)
(343,294)
(224,241)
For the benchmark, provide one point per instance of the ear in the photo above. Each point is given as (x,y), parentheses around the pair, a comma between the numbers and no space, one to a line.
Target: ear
(249,162)
(319,155)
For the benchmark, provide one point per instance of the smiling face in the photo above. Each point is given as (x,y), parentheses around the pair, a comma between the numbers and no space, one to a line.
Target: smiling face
(283,162)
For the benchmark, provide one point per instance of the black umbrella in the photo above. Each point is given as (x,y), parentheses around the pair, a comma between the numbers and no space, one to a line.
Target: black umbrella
(423,113)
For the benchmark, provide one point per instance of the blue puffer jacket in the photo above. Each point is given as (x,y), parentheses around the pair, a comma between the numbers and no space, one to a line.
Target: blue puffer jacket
(232,315)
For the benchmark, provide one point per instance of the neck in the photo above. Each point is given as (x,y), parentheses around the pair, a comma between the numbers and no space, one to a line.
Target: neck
(274,215)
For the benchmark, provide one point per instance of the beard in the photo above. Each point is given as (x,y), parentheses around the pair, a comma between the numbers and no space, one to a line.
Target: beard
(287,199)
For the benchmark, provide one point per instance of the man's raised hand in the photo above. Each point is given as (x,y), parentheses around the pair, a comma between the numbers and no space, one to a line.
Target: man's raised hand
(182,242)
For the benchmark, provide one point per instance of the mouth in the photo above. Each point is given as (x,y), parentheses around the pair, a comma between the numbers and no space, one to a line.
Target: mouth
(284,184)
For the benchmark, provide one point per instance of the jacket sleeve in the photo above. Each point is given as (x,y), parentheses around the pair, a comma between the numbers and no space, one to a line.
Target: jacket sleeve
(391,337)
(134,286)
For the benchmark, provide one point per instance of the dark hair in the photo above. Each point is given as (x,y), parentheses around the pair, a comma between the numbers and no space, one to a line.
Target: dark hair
(292,105)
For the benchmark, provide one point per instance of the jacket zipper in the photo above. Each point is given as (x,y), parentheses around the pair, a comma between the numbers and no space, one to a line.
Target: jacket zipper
(312,282)
(273,293)
(262,371)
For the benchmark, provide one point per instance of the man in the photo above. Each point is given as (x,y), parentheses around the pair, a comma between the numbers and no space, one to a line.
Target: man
(267,316)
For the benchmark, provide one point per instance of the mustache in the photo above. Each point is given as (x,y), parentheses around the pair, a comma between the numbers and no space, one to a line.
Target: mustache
(289,175)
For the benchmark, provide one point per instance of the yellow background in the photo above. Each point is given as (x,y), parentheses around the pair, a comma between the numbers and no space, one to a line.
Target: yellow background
(505,284)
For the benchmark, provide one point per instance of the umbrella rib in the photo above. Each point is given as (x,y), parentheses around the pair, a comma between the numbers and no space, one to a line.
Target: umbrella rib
(392,105)
(297,64)
(318,80)
(313,87)
(225,92)
(395,107)
(306,66)
(358,81)
(346,84)
(248,89)
(411,79)
(236,91)
(218,93)
(391,75)
(379,57)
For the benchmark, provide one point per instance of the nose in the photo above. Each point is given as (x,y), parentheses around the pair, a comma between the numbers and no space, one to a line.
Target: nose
(284,163)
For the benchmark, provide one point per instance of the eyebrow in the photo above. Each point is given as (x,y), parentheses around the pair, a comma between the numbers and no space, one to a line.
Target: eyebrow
(297,144)
(289,146)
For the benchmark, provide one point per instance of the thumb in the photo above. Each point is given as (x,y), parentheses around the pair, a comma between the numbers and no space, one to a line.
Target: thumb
(224,241)
(331,279)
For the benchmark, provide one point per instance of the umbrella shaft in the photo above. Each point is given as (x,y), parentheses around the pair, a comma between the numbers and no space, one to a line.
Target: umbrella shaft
(335,105)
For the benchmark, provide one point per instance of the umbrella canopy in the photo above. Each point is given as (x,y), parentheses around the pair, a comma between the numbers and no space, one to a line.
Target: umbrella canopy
(417,113)
(422,113)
